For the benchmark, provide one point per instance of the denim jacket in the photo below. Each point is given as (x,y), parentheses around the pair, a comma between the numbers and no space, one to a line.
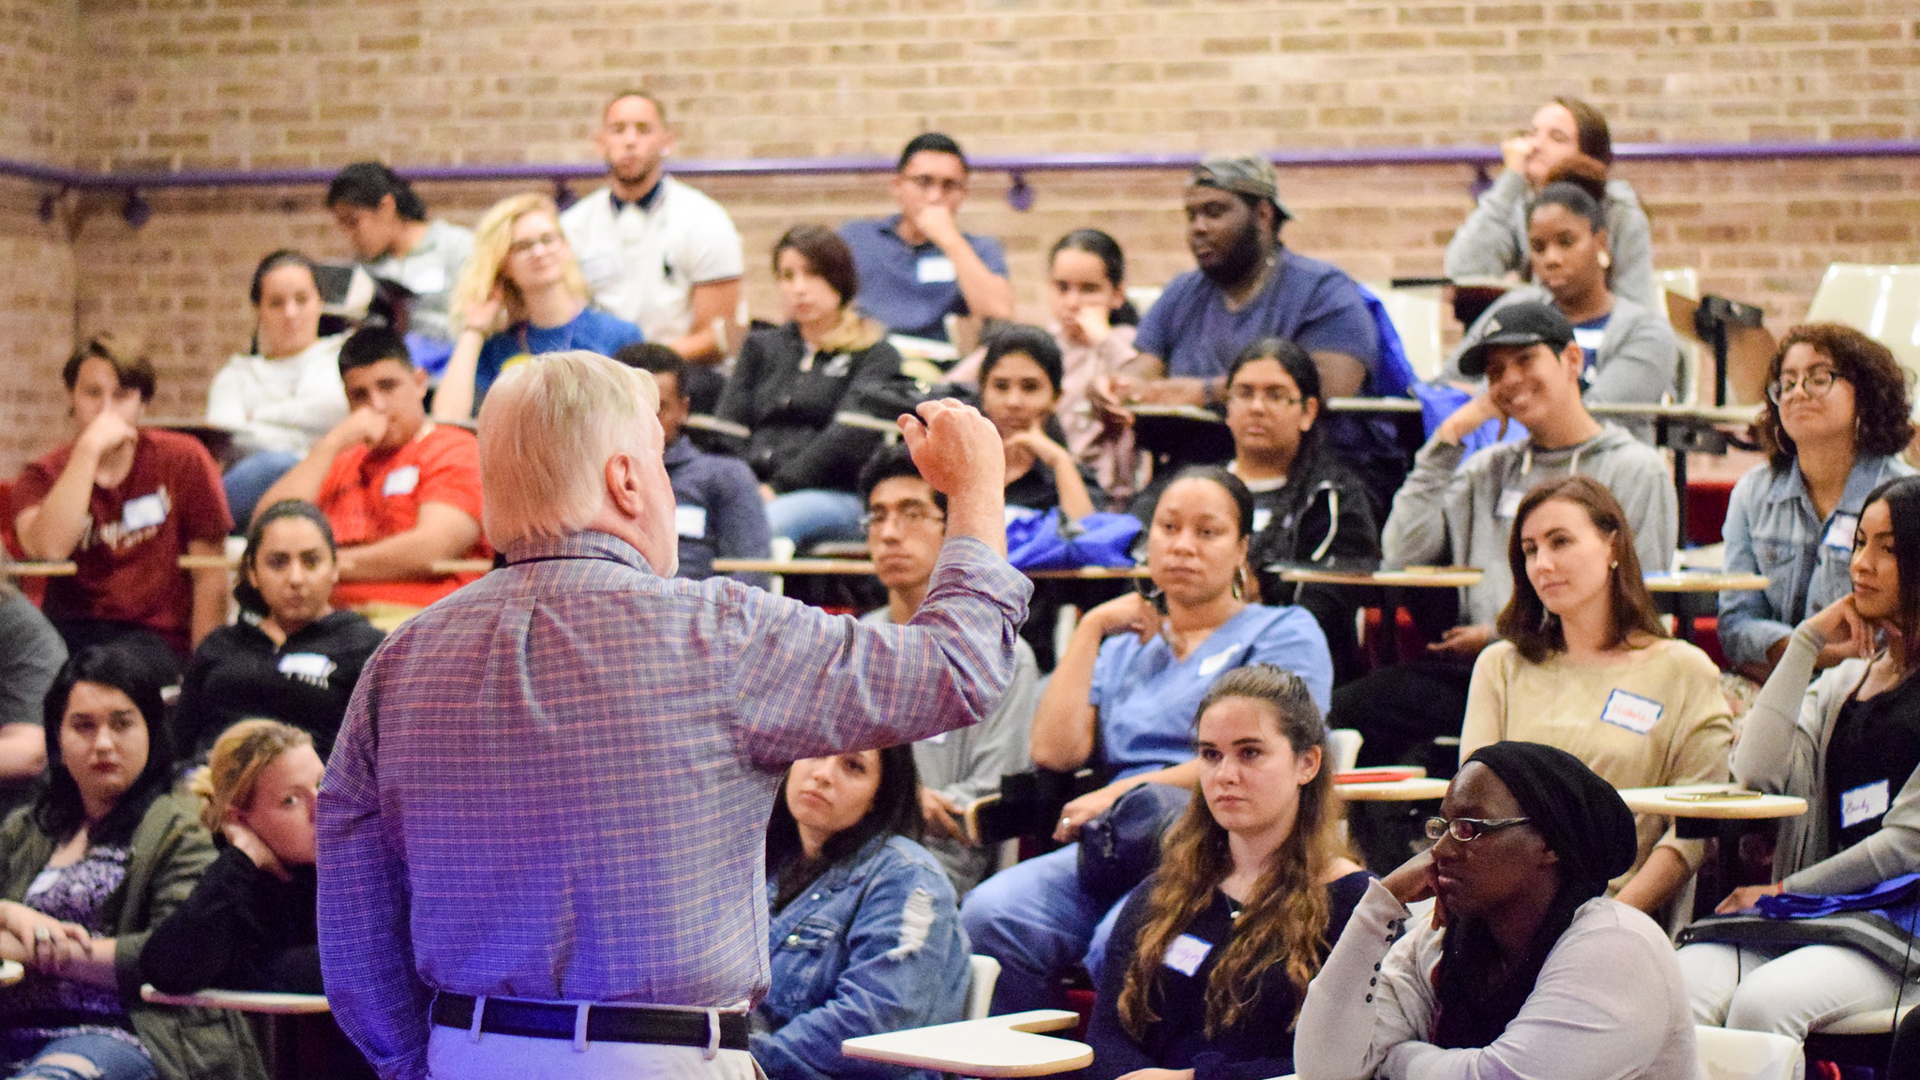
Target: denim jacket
(1772,529)
(874,945)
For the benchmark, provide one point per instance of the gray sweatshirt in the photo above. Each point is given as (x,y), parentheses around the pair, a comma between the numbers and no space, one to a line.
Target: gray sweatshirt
(1460,514)
(1493,240)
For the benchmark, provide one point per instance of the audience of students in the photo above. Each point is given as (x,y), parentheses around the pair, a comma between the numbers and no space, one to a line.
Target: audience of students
(1836,415)
(1458,510)
(718,512)
(790,381)
(387,225)
(1583,663)
(656,252)
(291,656)
(400,491)
(1212,954)
(917,267)
(284,394)
(521,294)
(905,524)
(1847,740)
(124,503)
(863,934)
(87,871)
(1568,137)
(31,654)
(1521,966)
(1020,379)
(1125,694)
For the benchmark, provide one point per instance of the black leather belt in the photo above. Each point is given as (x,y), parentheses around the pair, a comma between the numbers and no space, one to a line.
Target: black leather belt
(605,1023)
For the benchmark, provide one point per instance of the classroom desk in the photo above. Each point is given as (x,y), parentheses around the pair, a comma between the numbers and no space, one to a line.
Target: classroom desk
(1754,807)
(250,1001)
(217,438)
(828,567)
(1412,577)
(1676,594)
(1417,789)
(11,971)
(42,569)
(995,1046)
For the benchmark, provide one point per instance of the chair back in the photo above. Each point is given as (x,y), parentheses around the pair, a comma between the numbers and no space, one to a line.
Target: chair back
(986,972)
(1880,301)
(1728,1054)
(1416,317)
(1143,297)
(1684,281)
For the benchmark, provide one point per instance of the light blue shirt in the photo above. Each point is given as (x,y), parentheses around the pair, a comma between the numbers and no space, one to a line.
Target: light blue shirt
(1148,701)
(1772,529)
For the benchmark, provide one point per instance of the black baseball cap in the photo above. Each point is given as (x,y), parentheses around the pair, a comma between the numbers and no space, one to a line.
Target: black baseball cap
(1530,323)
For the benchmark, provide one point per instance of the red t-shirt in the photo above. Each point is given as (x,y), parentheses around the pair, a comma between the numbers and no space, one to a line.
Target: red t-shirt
(371,496)
(129,557)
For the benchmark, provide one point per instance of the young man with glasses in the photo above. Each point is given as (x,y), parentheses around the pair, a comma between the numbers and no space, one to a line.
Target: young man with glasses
(917,267)
(905,525)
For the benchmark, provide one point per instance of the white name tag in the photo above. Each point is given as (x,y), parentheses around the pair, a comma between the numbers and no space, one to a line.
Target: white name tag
(933,269)
(690,521)
(1261,515)
(1631,711)
(1213,665)
(143,512)
(1840,533)
(1187,953)
(1864,803)
(307,667)
(935,740)
(401,481)
(426,277)
(1587,339)
(1509,503)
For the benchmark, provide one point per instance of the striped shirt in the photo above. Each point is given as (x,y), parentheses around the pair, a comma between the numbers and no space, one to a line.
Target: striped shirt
(555,783)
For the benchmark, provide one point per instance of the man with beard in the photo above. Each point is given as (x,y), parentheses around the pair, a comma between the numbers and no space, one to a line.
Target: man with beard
(1248,287)
(657,253)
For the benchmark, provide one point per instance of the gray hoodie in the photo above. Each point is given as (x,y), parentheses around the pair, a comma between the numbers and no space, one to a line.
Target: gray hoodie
(1494,238)
(1460,514)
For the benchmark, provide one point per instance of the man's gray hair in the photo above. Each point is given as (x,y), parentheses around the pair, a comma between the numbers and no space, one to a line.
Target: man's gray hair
(547,429)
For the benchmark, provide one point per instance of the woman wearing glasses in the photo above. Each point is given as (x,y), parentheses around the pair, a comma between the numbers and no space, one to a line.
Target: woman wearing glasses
(1584,664)
(1522,966)
(1837,413)
(521,294)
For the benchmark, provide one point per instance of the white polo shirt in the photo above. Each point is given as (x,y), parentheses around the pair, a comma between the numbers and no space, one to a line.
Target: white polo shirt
(643,262)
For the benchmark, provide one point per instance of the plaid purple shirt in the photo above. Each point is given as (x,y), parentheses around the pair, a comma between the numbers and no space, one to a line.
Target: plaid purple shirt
(555,783)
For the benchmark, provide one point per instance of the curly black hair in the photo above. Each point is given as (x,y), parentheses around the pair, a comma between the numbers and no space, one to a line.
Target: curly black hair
(1880,398)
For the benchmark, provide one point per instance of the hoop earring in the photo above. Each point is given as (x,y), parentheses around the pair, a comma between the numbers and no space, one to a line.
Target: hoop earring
(1614,565)
(1606,261)
(1239,582)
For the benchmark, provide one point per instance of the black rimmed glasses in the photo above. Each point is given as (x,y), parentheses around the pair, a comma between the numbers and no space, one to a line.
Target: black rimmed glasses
(1814,384)
(906,516)
(1468,829)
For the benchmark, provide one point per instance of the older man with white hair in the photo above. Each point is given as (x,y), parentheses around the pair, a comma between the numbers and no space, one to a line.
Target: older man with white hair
(541,831)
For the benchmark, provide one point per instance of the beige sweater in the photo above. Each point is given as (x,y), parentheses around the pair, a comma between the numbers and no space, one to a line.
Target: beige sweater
(1669,723)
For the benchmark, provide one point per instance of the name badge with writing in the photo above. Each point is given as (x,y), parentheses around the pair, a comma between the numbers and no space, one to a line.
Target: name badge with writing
(1631,711)
(1840,532)
(1213,665)
(307,667)
(690,522)
(1187,953)
(934,269)
(1261,515)
(401,481)
(1509,503)
(143,512)
(1864,803)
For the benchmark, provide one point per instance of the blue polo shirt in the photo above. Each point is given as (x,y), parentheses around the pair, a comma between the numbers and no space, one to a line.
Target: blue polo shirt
(717,512)
(911,287)
(593,330)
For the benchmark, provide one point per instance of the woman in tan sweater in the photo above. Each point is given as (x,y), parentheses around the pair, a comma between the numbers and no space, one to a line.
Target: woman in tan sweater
(1584,664)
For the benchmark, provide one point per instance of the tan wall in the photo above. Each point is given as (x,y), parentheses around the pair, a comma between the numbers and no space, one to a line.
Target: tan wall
(260,83)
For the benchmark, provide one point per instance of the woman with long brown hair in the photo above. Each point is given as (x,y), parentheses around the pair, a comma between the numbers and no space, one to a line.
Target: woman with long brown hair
(1584,664)
(1212,955)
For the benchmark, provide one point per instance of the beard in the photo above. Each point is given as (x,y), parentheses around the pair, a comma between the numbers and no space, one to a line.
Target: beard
(1238,262)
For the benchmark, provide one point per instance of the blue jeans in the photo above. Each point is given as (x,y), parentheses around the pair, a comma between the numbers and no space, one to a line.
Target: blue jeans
(1034,918)
(112,1059)
(815,515)
(248,480)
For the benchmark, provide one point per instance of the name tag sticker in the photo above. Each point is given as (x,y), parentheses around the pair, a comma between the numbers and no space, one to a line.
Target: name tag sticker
(307,667)
(426,277)
(1509,503)
(690,522)
(1187,953)
(934,269)
(1261,515)
(143,512)
(401,481)
(1213,665)
(1864,803)
(1631,711)
(935,740)
(1840,533)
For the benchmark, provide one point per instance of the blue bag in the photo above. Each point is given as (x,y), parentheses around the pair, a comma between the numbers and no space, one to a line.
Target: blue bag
(1036,541)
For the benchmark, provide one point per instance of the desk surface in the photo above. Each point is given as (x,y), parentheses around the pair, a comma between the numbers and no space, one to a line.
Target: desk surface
(1418,577)
(1705,582)
(859,567)
(1415,790)
(1659,800)
(42,569)
(11,971)
(995,1046)
(253,1001)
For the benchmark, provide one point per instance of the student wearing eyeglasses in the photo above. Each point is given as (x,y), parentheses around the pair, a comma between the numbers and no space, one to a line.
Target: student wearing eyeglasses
(1836,416)
(1584,664)
(917,267)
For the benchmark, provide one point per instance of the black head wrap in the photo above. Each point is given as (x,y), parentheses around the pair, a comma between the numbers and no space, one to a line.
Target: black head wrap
(1582,820)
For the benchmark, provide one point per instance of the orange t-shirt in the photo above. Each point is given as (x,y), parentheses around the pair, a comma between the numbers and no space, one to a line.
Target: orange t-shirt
(370,496)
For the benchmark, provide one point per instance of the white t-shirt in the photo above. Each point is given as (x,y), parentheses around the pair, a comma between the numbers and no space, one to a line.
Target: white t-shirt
(642,263)
(283,404)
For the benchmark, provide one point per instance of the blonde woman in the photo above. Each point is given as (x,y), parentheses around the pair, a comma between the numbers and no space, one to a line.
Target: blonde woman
(521,294)
(249,924)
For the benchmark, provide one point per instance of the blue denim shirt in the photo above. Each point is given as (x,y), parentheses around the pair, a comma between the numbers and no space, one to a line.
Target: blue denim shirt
(874,945)
(1772,529)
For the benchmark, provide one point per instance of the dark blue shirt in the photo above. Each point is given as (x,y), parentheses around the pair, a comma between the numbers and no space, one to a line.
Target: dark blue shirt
(718,512)
(911,287)
(593,330)
(1311,303)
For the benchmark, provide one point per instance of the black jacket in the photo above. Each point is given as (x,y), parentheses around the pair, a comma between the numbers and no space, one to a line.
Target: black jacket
(238,673)
(242,929)
(795,443)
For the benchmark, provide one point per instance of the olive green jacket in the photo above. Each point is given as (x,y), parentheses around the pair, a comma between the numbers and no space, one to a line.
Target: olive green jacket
(170,849)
